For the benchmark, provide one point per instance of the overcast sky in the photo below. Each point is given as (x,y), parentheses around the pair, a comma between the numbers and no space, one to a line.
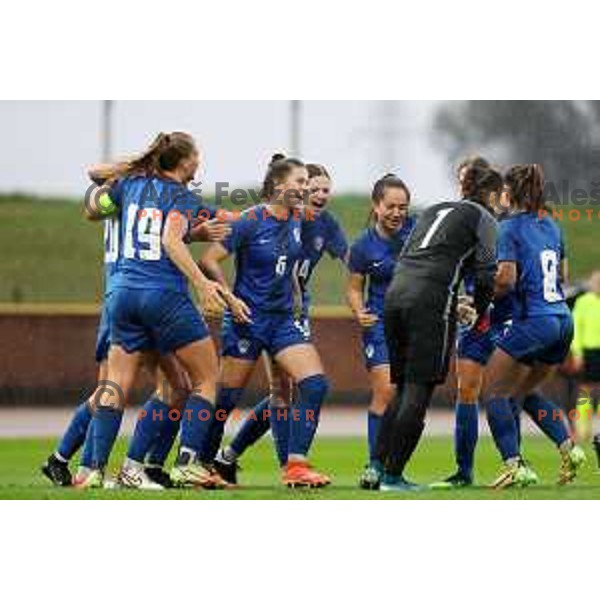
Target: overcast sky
(46,145)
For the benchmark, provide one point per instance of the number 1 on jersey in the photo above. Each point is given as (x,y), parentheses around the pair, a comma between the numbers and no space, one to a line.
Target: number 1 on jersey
(435,225)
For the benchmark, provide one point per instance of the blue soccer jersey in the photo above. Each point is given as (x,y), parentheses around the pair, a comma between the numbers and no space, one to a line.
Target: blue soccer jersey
(375,257)
(320,234)
(111,251)
(536,245)
(145,204)
(266,249)
(111,254)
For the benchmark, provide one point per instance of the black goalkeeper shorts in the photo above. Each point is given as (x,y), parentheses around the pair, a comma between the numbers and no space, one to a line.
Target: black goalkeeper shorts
(420,337)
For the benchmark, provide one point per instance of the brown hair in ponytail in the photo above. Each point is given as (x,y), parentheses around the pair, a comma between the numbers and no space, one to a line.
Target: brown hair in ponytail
(163,154)
(279,168)
(526,183)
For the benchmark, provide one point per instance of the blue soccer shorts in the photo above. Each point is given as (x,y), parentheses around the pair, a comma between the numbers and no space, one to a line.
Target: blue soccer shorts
(375,348)
(154,320)
(269,331)
(544,339)
(479,346)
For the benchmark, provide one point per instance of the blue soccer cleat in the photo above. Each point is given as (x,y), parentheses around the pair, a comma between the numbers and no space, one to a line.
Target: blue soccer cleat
(397,483)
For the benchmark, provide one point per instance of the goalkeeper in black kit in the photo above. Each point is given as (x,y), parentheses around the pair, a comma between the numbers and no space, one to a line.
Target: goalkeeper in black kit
(450,240)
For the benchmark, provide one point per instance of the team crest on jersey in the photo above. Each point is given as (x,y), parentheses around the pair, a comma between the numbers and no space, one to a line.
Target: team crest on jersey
(297,234)
(243,346)
(369,351)
(319,241)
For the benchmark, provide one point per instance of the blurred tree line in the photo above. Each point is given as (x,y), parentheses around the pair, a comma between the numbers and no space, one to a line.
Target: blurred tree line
(564,136)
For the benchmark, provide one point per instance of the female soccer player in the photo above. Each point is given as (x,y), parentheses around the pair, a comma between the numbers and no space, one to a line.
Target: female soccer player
(475,346)
(151,307)
(372,259)
(449,241)
(320,233)
(56,467)
(266,244)
(532,260)
(171,383)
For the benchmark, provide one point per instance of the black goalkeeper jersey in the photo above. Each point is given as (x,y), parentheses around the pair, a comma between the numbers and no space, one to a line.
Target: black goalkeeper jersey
(449,241)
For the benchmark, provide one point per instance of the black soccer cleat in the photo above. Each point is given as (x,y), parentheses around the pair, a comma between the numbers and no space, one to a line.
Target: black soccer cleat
(457,480)
(57,471)
(157,475)
(227,470)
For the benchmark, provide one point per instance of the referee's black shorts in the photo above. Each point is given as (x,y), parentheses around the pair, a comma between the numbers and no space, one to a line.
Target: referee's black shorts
(420,334)
(591,365)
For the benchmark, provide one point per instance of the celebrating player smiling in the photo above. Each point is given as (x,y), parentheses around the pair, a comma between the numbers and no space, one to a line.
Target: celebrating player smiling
(267,243)
(321,233)
(372,260)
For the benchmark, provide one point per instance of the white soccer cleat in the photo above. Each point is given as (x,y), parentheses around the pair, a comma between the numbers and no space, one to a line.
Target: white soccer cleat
(134,477)
(89,479)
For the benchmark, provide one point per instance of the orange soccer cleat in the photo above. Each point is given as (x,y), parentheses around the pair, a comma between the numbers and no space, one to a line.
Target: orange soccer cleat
(300,474)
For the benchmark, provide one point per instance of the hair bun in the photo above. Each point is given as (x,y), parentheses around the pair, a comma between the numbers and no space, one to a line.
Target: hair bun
(277,156)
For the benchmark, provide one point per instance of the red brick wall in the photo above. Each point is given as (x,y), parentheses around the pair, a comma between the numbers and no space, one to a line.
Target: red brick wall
(49,358)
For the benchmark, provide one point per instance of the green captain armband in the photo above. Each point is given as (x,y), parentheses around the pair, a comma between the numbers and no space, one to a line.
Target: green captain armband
(105,205)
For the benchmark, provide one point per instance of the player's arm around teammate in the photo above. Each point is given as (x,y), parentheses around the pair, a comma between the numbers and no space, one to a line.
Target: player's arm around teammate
(151,306)
(371,263)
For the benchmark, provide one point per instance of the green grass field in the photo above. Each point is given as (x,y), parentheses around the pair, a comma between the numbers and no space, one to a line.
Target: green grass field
(50,254)
(342,458)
